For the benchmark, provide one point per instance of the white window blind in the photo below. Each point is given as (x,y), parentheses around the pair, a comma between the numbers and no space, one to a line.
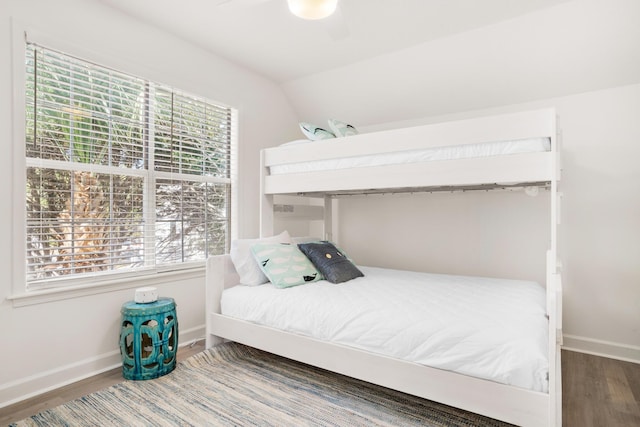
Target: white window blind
(122,174)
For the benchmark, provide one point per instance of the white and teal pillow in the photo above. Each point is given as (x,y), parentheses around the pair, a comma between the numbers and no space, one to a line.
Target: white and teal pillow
(284,264)
(314,132)
(341,128)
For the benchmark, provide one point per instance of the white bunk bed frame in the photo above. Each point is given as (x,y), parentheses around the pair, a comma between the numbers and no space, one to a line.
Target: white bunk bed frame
(507,403)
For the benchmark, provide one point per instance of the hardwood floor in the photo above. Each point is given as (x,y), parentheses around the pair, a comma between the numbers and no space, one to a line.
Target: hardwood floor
(597,391)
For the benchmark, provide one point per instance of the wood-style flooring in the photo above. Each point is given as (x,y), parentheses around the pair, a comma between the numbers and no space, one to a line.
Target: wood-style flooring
(597,391)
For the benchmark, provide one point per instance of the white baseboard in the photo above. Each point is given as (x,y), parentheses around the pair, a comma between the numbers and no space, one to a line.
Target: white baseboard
(613,350)
(43,382)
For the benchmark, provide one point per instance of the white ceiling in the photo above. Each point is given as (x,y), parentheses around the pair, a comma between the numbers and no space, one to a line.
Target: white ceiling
(264,37)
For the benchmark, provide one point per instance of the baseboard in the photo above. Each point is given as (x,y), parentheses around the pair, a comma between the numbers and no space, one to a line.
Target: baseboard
(43,382)
(613,350)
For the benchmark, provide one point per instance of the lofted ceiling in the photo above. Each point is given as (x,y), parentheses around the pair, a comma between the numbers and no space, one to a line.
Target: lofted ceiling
(263,36)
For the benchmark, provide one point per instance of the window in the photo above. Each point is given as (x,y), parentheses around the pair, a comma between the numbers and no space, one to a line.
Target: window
(122,174)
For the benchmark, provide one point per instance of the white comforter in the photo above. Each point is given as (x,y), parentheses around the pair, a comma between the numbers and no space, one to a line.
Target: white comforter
(488,328)
(487,149)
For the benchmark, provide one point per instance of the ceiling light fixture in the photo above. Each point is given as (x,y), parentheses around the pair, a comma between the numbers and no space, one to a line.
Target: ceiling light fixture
(312,9)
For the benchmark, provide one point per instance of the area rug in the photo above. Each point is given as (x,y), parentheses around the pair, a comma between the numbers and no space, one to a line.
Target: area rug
(235,385)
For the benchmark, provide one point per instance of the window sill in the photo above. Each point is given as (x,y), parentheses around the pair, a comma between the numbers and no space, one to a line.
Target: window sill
(57,294)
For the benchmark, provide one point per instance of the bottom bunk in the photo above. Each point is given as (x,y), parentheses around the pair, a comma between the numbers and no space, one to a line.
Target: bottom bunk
(524,393)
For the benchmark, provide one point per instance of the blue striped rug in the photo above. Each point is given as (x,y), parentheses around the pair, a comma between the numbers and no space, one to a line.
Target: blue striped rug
(235,385)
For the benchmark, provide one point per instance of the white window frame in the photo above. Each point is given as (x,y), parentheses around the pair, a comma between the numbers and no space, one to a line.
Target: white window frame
(92,285)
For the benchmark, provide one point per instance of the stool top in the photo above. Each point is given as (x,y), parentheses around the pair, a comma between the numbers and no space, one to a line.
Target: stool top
(162,305)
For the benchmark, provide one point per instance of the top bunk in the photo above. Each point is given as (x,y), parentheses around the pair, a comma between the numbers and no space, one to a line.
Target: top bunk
(509,150)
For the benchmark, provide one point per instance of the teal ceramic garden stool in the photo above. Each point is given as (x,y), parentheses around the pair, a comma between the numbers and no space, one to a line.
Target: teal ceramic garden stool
(148,339)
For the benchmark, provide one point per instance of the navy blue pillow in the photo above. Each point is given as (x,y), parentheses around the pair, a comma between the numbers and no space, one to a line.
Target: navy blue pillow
(330,262)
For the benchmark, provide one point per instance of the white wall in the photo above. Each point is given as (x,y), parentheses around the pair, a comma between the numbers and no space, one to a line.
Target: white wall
(45,345)
(583,57)
(474,233)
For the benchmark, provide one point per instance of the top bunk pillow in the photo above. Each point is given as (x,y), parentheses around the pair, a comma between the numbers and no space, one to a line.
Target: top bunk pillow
(331,262)
(314,132)
(244,261)
(341,129)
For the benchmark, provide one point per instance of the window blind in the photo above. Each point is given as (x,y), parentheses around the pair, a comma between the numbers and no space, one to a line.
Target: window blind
(122,174)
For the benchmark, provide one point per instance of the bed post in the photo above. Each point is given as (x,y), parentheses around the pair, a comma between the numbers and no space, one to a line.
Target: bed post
(266,202)
(220,274)
(328,218)
(554,288)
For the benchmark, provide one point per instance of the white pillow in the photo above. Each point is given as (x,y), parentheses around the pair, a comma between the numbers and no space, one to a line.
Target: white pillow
(244,261)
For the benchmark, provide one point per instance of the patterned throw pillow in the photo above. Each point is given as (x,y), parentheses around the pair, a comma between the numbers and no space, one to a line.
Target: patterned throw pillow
(341,128)
(332,263)
(314,132)
(284,264)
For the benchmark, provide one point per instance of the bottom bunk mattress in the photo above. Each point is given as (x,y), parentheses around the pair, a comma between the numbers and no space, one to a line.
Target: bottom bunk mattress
(493,329)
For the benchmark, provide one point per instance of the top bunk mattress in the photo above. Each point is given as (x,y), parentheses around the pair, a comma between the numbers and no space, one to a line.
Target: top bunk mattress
(486,149)
(493,329)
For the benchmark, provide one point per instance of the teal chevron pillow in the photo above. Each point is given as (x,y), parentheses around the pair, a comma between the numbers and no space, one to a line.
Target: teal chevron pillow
(284,264)
(314,132)
(341,128)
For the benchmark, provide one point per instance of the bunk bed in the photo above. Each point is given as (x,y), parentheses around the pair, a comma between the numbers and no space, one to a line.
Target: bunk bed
(318,170)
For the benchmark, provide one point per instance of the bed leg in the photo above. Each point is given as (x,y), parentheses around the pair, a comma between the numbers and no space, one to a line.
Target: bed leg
(212,341)
(220,274)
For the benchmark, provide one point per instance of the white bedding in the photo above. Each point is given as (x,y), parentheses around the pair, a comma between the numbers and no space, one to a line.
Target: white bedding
(424,155)
(493,329)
